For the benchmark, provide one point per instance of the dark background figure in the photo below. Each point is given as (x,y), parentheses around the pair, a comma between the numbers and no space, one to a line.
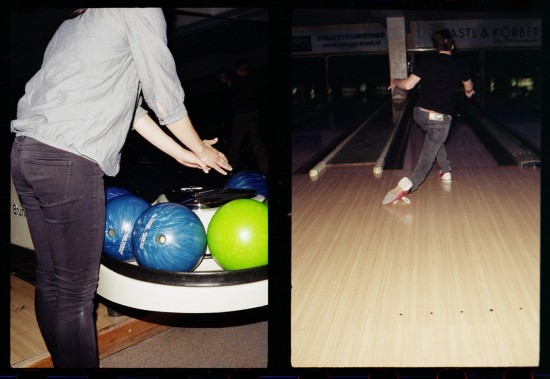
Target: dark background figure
(224,106)
(245,97)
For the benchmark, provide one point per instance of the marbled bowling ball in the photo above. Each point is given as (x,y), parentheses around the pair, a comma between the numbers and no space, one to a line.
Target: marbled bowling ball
(121,212)
(113,191)
(248,179)
(169,236)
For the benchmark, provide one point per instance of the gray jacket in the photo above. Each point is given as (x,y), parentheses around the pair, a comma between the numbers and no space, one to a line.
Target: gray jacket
(82,98)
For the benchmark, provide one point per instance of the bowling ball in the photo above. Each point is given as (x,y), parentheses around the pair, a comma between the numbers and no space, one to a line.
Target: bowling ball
(248,180)
(111,192)
(169,236)
(121,212)
(237,234)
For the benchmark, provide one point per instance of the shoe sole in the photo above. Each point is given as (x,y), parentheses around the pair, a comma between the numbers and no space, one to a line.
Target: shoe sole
(391,197)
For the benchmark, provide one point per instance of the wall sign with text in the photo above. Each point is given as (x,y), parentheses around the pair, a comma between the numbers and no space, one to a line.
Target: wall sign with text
(482,33)
(372,38)
(339,39)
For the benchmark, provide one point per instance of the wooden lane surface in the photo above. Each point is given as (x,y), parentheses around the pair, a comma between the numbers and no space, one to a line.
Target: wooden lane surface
(451,279)
(114,333)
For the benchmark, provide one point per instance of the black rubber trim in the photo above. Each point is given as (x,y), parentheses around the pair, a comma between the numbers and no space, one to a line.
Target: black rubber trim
(199,198)
(186,279)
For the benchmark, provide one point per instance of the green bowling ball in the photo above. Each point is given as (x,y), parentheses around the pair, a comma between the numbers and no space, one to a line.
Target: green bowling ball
(237,235)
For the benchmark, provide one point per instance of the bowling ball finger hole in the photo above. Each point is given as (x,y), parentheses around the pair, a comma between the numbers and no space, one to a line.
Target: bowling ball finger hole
(111,233)
(161,239)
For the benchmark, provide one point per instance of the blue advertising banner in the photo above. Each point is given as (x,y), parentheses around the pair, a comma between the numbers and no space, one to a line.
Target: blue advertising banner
(339,39)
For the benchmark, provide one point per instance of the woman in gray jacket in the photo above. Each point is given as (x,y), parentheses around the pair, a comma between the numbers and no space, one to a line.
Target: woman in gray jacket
(71,125)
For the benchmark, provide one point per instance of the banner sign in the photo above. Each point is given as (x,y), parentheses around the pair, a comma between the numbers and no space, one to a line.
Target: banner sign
(339,39)
(482,33)
(476,33)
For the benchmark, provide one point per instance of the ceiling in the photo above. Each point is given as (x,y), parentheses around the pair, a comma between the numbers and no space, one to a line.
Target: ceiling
(191,20)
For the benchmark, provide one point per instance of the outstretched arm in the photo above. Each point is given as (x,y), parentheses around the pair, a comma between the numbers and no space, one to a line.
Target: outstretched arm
(406,84)
(150,130)
(185,132)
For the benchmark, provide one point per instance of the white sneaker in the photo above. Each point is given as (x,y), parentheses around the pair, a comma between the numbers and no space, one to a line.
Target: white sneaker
(398,192)
(445,177)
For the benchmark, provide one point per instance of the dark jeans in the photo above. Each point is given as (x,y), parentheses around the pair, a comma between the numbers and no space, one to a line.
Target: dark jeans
(64,200)
(433,148)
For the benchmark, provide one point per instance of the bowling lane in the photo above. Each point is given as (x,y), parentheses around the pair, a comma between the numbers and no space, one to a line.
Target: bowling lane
(465,144)
(451,279)
(520,116)
(315,137)
(368,141)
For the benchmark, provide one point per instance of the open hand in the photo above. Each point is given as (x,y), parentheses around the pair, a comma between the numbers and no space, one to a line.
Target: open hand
(214,158)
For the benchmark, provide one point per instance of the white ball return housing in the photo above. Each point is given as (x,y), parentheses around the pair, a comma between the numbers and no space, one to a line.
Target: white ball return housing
(208,289)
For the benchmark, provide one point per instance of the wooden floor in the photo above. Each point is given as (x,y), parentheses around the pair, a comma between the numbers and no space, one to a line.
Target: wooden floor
(28,348)
(450,280)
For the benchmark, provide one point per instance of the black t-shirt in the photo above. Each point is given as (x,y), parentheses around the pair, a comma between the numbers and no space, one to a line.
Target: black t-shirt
(441,75)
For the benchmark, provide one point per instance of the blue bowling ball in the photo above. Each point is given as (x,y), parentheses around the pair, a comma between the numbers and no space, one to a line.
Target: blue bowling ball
(248,179)
(169,236)
(121,212)
(112,191)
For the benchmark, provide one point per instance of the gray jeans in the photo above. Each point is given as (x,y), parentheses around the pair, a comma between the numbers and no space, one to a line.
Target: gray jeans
(64,201)
(433,150)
